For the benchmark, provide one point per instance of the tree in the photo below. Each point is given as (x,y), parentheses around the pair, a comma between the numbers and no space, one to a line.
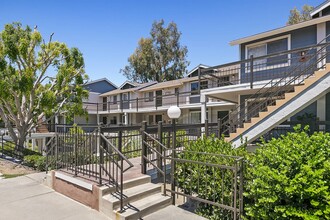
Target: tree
(297,16)
(27,91)
(160,57)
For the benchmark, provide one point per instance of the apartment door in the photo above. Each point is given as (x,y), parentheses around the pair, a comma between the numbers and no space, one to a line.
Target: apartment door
(159,118)
(105,120)
(125,98)
(105,102)
(159,98)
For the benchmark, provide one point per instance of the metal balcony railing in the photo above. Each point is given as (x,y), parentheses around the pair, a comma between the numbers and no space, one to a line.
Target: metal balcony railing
(280,72)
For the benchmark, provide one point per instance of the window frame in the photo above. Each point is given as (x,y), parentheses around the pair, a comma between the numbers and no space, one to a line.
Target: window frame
(149,96)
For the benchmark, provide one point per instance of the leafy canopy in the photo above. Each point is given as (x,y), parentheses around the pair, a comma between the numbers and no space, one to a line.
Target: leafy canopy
(159,57)
(28,91)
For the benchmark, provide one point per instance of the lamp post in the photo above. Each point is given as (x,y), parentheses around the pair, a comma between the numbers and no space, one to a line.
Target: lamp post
(173,113)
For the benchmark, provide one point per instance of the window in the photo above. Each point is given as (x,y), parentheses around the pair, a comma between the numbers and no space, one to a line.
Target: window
(269,47)
(159,118)
(204,85)
(104,103)
(176,90)
(125,96)
(149,96)
(151,119)
(114,99)
(194,88)
(195,117)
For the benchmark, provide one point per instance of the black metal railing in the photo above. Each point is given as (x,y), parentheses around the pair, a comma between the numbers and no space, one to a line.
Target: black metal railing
(10,149)
(90,154)
(172,160)
(281,81)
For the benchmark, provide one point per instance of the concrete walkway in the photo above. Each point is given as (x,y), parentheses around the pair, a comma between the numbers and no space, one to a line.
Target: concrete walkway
(26,198)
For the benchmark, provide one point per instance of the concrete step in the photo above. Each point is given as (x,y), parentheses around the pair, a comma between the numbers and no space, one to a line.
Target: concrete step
(132,194)
(127,184)
(173,213)
(144,207)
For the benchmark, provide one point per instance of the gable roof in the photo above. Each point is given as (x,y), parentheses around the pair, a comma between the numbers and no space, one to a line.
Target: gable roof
(135,84)
(196,68)
(280,30)
(320,8)
(100,80)
(138,86)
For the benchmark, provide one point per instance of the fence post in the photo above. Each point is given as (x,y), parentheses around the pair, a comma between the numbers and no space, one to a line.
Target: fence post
(159,148)
(101,153)
(177,99)
(241,179)
(75,151)
(251,71)
(144,148)
(120,148)
(173,162)
(219,128)
(137,104)
(206,127)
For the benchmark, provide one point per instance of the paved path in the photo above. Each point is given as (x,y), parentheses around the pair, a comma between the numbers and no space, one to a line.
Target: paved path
(26,198)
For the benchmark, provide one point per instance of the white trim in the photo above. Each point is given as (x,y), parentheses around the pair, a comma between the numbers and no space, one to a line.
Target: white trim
(194,69)
(280,30)
(320,9)
(74,181)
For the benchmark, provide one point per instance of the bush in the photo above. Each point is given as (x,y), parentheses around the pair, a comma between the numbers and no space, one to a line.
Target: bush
(208,182)
(290,178)
(37,162)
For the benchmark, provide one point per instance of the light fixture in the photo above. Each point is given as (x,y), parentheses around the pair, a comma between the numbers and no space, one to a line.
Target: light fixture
(174,112)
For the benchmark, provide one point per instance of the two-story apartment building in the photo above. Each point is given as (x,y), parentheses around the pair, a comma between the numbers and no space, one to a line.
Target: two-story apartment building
(283,74)
(132,103)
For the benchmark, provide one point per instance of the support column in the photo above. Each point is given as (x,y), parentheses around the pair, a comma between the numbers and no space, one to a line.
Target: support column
(125,118)
(320,35)
(321,110)
(203,108)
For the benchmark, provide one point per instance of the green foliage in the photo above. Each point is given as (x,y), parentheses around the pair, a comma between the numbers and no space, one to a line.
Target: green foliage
(37,162)
(289,178)
(27,92)
(160,57)
(206,181)
(297,16)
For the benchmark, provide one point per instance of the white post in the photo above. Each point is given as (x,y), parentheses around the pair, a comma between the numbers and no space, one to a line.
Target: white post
(321,113)
(321,34)
(203,108)
(125,118)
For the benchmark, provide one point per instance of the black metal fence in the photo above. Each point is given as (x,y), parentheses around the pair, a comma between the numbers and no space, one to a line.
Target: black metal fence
(163,148)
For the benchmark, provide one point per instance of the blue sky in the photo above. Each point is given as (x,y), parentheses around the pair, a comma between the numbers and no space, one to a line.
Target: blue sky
(107,31)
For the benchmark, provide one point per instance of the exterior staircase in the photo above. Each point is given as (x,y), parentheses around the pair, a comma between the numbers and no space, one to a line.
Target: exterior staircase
(292,102)
(141,198)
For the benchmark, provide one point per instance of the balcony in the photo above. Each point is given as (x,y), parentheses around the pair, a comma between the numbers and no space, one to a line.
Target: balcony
(153,103)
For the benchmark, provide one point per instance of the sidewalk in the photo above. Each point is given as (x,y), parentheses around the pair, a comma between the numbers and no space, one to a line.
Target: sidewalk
(26,198)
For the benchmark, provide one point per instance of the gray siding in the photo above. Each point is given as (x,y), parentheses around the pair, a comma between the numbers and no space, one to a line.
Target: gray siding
(311,109)
(100,87)
(299,38)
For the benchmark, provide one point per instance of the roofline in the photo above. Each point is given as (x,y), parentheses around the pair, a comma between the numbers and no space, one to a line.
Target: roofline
(319,8)
(194,69)
(102,79)
(280,30)
(126,82)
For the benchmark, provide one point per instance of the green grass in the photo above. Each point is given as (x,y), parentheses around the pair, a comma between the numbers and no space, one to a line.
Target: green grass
(7,176)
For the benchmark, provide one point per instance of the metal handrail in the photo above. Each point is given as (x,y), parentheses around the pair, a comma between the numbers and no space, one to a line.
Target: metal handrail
(237,117)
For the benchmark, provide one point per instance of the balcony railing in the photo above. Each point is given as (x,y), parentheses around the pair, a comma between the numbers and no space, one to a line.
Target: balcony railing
(257,69)
(152,102)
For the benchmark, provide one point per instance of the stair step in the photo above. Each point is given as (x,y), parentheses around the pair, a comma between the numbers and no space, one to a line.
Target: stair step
(133,194)
(127,184)
(173,213)
(143,207)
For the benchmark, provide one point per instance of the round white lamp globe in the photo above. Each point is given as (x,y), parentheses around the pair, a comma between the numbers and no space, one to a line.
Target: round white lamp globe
(174,112)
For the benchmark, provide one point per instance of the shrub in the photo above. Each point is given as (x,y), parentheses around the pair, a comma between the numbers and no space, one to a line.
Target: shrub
(290,178)
(37,162)
(208,182)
